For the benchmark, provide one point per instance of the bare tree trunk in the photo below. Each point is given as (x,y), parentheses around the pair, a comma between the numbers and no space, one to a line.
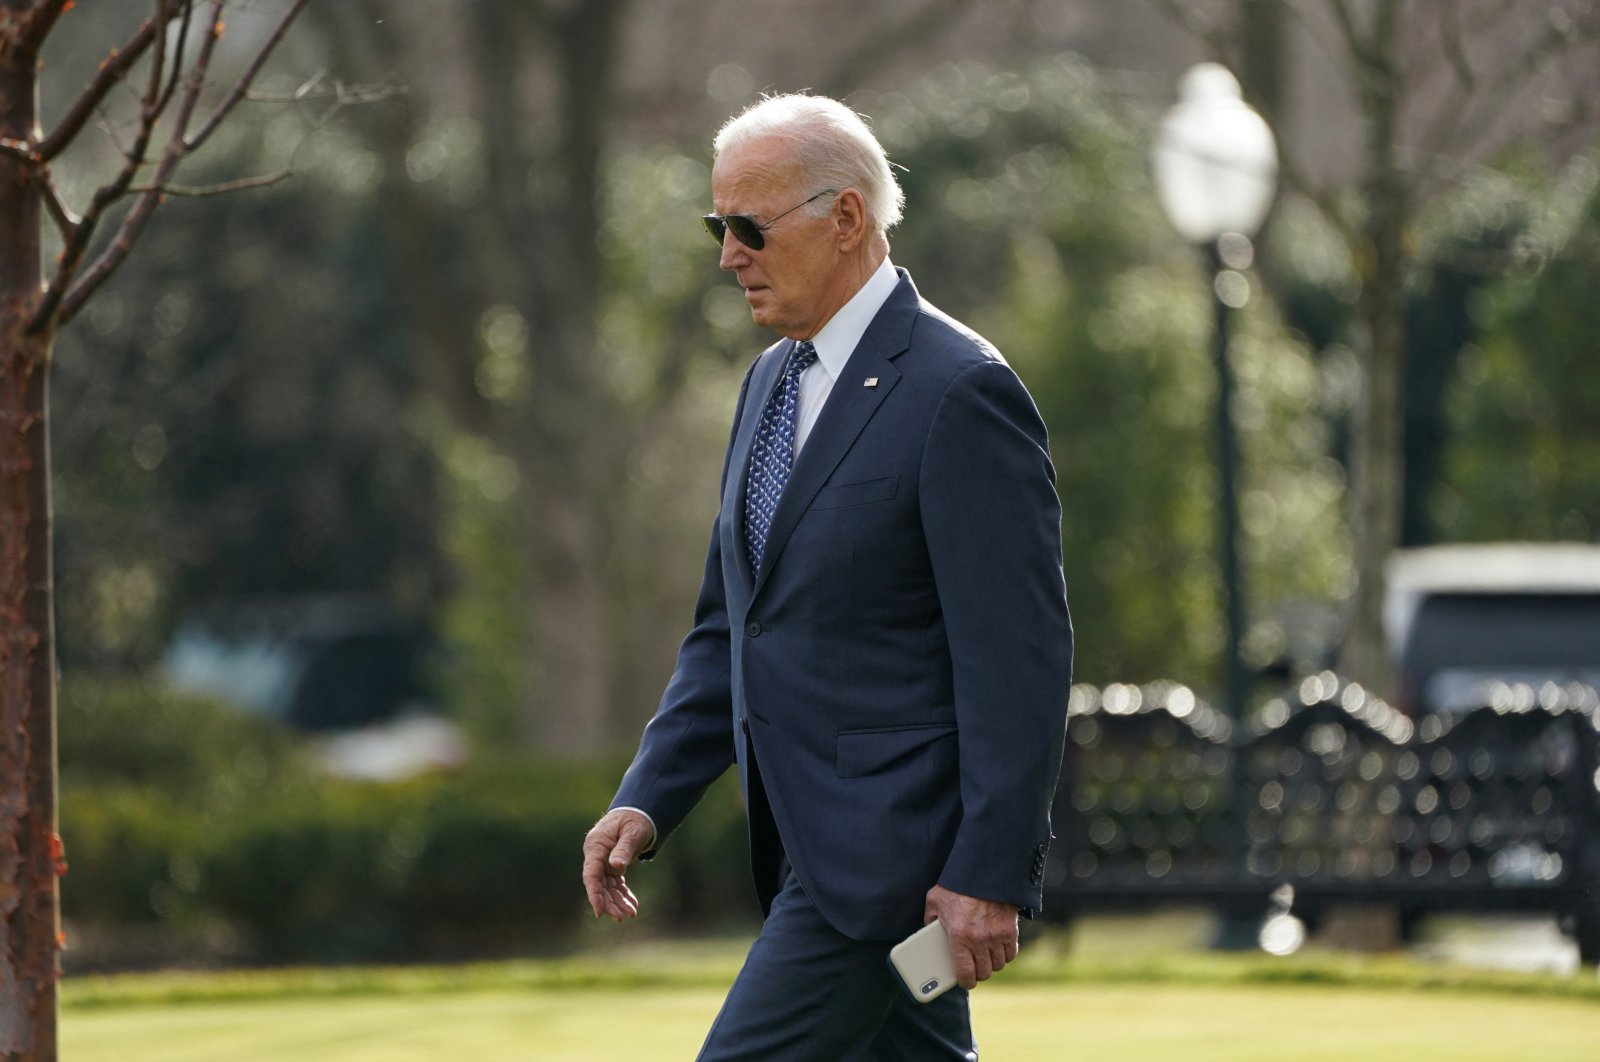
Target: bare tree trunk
(1263,56)
(572,474)
(1377,458)
(30,850)
(538,252)
(31,312)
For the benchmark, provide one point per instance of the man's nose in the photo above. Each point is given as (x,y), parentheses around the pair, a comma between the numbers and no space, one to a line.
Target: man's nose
(734,253)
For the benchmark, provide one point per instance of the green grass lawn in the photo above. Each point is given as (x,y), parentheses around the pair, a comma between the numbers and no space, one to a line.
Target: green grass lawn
(1071,1021)
(1117,998)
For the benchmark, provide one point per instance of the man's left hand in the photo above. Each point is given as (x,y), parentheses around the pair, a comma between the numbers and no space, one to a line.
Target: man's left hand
(983,933)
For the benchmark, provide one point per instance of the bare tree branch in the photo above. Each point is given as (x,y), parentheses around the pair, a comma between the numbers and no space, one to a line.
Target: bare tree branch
(59,214)
(1367,51)
(1454,47)
(77,241)
(342,95)
(1337,54)
(38,172)
(1464,129)
(1348,28)
(1386,20)
(70,300)
(1296,180)
(223,188)
(1185,15)
(177,52)
(243,85)
(113,69)
(36,23)
(921,24)
(159,60)
(67,290)
(341,98)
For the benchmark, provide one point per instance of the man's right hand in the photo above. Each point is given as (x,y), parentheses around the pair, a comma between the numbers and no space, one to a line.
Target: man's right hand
(614,842)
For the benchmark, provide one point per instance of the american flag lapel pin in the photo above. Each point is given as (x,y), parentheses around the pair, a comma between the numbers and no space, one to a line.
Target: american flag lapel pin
(871,381)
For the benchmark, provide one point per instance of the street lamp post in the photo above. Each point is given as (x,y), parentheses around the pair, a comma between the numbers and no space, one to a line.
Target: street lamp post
(1216,169)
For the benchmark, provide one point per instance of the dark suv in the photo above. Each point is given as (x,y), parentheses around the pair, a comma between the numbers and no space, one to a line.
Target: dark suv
(1470,625)
(319,663)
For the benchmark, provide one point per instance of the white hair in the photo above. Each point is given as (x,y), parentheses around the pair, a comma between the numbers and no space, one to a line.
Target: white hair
(832,144)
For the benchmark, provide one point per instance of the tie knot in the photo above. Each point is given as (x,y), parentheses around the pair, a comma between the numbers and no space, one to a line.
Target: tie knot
(802,357)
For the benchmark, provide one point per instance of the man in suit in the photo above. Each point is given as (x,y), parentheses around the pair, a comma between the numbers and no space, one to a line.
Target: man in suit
(881,642)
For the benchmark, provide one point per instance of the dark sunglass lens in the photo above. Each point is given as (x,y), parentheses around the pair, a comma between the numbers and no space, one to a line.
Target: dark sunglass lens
(746,231)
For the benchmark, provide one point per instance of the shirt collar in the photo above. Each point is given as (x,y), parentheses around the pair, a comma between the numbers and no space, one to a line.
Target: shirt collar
(837,339)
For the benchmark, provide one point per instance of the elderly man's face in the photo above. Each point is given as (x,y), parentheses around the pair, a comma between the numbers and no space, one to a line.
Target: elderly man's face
(797,281)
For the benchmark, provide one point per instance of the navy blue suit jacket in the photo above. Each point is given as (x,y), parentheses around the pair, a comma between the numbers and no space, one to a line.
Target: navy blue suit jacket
(893,682)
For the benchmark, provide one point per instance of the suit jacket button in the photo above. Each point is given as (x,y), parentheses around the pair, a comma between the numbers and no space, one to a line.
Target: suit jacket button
(753,628)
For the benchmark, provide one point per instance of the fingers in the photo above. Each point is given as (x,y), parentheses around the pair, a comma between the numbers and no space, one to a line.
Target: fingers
(594,883)
(612,897)
(983,969)
(986,958)
(983,933)
(966,966)
(596,850)
(607,850)
(620,902)
(978,961)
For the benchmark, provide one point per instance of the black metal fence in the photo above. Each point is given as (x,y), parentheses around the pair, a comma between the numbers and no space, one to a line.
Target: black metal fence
(1337,795)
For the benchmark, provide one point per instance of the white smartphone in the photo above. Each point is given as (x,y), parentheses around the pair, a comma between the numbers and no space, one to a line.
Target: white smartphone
(924,964)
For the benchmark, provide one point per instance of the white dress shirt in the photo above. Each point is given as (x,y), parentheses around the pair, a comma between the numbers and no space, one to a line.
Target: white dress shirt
(836,342)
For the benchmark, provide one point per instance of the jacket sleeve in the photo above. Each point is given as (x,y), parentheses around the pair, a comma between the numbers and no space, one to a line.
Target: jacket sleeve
(992,522)
(688,744)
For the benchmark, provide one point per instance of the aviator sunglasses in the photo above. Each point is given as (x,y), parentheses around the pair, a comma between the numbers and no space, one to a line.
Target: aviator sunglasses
(746,229)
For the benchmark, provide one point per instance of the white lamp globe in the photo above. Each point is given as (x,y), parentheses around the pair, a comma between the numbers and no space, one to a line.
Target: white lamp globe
(1216,164)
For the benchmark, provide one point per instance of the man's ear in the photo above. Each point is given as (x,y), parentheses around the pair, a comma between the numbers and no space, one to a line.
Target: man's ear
(850,217)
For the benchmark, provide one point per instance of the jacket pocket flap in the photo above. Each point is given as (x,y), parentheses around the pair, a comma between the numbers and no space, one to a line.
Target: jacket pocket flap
(860,752)
(844,495)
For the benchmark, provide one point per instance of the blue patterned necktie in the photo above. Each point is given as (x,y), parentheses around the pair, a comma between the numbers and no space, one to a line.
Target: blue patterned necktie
(773,453)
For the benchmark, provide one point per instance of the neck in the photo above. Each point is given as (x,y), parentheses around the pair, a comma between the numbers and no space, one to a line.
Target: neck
(863,265)
(852,276)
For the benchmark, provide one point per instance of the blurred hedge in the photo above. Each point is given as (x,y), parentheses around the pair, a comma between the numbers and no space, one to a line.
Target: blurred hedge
(185,817)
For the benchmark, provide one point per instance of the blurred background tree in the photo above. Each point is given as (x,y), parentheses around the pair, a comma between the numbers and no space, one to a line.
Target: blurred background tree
(1094,303)
(1520,457)
(240,429)
(476,357)
(1431,95)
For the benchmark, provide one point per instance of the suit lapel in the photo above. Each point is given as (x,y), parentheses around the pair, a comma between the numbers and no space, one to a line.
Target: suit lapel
(850,405)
